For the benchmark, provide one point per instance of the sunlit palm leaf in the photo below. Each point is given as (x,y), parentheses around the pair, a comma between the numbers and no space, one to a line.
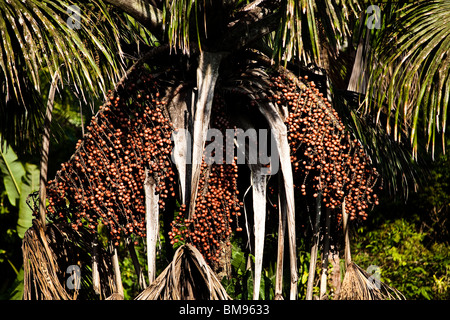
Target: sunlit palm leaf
(38,39)
(177,21)
(305,25)
(410,71)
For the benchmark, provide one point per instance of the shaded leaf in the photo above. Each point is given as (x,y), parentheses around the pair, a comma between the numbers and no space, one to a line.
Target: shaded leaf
(30,184)
(12,171)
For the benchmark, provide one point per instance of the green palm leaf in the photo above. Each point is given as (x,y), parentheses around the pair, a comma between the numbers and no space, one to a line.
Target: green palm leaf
(20,179)
(177,17)
(306,26)
(410,72)
(38,40)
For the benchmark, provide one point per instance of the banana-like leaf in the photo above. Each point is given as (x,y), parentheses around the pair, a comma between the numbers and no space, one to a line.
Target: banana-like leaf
(30,184)
(13,171)
(20,180)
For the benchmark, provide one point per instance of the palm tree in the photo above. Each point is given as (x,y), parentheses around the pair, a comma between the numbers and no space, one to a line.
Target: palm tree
(230,49)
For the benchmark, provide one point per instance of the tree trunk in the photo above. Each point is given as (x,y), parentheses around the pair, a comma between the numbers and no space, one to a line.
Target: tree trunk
(45,149)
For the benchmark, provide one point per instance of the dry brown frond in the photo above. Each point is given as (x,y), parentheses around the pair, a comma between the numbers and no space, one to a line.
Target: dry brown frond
(41,269)
(187,277)
(47,256)
(359,285)
(115,296)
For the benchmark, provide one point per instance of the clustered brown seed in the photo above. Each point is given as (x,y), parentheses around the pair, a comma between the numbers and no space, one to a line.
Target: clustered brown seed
(130,137)
(217,203)
(325,158)
(103,180)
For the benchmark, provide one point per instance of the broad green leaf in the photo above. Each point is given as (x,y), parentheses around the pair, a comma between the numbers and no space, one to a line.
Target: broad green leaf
(30,184)
(12,171)
(238,260)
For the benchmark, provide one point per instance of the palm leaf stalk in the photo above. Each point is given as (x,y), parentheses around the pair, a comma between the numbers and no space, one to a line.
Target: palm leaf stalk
(152,223)
(258,182)
(280,248)
(314,249)
(325,255)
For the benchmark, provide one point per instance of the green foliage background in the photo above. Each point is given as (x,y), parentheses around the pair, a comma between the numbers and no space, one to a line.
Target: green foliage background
(410,241)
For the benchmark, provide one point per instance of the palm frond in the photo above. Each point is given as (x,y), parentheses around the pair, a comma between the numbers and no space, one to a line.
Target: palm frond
(187,277)
(40,267)
(49,253)
(409,76)
(393,159)
(39,39)
(178,18)
(308,25)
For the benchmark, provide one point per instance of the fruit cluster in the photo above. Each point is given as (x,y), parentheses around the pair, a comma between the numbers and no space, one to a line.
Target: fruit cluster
(325,159)
(217,204)
(128,141)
